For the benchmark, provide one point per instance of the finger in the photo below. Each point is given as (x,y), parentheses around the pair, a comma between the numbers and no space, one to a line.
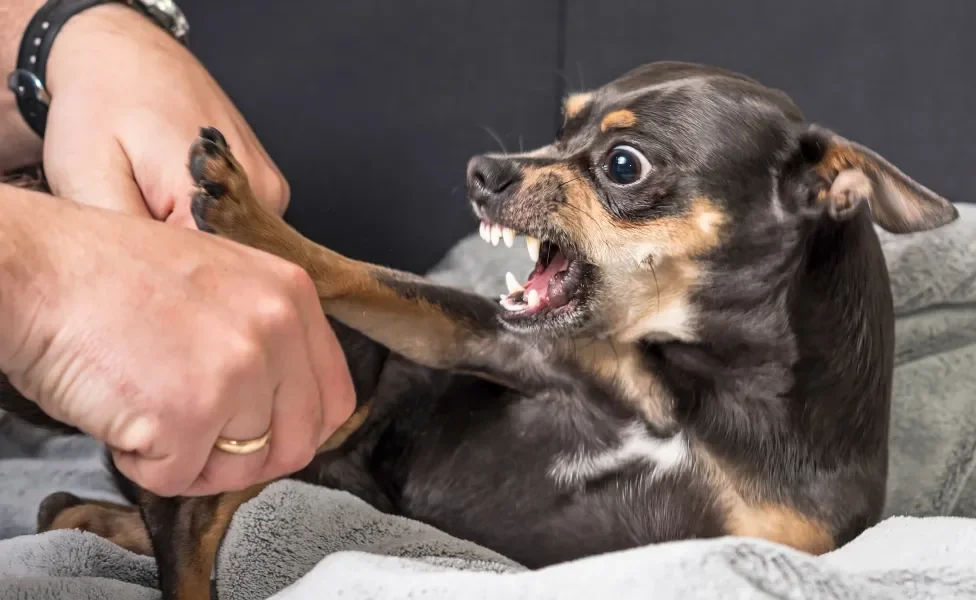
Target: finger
(225,471)
(167,477)
(297,417)
(160,167)
(143,450)
(336,394)
(167,183)
(172,460)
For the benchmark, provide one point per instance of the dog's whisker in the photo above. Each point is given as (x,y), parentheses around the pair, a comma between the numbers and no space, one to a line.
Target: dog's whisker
(657,287)
(496,137)
(590,217)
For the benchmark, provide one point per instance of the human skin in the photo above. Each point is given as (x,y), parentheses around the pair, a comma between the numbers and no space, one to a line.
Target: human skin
(152,338)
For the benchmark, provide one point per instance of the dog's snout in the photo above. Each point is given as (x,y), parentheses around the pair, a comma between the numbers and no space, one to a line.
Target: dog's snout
(489,177)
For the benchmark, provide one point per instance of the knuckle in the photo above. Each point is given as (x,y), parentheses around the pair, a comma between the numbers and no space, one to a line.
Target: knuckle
(297,279)
(207,409)
(243,354)
(276,312)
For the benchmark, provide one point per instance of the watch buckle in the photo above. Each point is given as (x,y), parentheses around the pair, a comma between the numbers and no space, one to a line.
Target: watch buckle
(25,84)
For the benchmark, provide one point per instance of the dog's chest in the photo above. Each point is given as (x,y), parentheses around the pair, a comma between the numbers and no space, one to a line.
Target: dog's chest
(584,461)
(557,440)
(559,472)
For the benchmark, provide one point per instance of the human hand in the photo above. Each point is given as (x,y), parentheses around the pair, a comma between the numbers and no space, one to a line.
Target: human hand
(127,101)
(157,340)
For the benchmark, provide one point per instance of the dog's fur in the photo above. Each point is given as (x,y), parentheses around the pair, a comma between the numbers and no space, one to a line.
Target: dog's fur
(723,366)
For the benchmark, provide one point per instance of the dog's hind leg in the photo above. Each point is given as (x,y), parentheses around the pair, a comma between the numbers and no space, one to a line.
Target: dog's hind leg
(435,326)
(117,523)
(186,534)
(183,534)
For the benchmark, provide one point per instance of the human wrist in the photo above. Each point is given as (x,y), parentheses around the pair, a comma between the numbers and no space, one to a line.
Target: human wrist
(93,37)
(21,146)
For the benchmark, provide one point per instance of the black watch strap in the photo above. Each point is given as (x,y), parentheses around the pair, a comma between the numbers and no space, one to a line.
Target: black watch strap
(27,82)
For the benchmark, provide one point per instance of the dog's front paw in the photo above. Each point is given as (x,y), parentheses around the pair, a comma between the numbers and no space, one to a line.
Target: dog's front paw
(223,197)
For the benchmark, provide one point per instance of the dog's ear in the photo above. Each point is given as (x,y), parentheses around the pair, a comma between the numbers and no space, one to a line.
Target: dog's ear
(850,174)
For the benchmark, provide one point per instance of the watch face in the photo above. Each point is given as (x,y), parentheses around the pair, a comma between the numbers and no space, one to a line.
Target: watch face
(168,15)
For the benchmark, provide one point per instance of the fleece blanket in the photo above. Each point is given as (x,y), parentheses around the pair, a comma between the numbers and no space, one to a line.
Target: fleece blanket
(297,541)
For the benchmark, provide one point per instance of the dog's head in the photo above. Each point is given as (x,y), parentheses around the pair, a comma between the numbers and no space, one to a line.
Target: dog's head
(655,175)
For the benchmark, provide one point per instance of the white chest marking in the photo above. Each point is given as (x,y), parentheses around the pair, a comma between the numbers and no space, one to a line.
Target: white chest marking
(663,454)
(671,321)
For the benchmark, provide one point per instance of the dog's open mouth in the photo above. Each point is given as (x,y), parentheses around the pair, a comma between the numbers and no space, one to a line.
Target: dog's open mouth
(553,285)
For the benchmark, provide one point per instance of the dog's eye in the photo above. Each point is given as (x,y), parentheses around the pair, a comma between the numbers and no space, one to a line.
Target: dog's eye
(625,165)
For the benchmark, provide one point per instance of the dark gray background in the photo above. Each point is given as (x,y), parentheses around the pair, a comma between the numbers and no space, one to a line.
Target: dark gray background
(372,107)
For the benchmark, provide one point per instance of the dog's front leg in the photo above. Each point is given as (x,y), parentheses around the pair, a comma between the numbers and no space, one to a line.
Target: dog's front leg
(436,326)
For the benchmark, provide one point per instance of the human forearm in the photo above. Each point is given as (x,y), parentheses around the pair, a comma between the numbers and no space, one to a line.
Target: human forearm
(20,145)
(24,270)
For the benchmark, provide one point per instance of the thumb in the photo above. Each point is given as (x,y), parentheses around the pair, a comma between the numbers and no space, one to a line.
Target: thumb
(166,477)
(95,176)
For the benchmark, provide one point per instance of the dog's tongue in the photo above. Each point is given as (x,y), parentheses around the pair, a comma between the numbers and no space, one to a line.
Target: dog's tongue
(547,282)
(546,287)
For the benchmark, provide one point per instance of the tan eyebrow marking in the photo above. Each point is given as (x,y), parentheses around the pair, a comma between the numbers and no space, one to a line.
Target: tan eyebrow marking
(575,103)
(618,119)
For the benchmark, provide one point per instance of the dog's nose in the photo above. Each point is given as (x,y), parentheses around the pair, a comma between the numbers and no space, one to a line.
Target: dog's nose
(489,177)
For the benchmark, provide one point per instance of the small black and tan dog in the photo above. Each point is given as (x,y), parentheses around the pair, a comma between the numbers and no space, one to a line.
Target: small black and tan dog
(704,347)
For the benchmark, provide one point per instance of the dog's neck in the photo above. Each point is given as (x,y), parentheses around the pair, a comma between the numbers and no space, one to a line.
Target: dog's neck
(806,337)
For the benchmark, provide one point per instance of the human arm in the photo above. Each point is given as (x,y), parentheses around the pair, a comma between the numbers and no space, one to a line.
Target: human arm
(21,146)
(126,101)
(156,340)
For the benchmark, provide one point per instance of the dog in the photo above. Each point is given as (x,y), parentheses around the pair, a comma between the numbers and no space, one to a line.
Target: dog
(704,347)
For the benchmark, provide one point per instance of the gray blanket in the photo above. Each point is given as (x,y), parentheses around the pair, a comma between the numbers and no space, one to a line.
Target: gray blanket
(298,541)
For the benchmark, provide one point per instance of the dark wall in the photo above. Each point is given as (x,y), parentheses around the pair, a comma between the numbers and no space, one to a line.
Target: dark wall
(373,107)
(897,76)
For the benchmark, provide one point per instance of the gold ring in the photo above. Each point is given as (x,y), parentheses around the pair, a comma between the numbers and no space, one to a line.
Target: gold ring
(243,446)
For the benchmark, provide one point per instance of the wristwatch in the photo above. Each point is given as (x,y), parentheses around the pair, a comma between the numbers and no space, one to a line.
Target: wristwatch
(27,80)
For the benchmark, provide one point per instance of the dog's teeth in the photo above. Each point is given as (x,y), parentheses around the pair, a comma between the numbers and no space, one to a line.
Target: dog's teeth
(533,245)
(496,234)
(483,231)
(510,305)
(533,299)
(512,284)
(509,236)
